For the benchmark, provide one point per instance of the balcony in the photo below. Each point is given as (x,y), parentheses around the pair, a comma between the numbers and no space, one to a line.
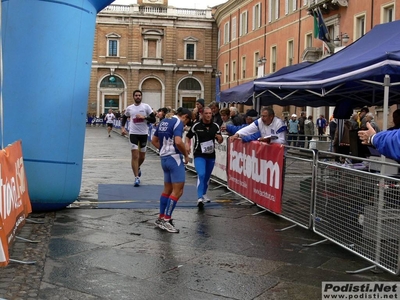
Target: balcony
(327,4)
(157,10)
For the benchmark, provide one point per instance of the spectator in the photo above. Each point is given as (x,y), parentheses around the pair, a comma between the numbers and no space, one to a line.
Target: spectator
(332,128)
(161,113)
(225,115)
(321,125)
(302,121)
(332,131)
(369,118)
(361,117)
(271,128)
(251,116)
(386,142)
(309,129)
(216,114)
(235,117)
(198,111)
(353,122)
(293,130)
(396,120)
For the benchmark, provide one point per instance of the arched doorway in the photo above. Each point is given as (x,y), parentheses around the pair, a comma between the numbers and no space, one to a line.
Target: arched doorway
(111,94)
(152,92)
(189,89)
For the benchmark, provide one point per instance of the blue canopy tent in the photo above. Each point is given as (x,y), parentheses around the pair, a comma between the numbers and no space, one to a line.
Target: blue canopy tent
(243,93)
(366,72)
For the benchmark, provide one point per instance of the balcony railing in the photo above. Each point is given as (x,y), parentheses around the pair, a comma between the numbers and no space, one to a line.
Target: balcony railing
(157,10)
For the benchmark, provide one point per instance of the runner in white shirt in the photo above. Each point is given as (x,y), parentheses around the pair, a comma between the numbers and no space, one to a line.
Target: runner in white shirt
(110,117)
(139,114)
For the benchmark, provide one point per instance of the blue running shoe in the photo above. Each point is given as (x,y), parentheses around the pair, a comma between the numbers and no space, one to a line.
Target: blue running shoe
(137,181)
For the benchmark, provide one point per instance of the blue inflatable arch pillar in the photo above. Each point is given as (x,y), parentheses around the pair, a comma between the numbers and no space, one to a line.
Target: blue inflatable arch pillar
(47,57)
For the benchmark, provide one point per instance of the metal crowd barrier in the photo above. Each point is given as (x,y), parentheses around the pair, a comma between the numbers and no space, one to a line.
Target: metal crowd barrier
(298,181)
(358,207)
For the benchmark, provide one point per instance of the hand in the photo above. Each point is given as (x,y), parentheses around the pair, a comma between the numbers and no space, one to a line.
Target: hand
(123,131)
(265,140)
(365,135)
(219,139)
(234,137)
(186,160)
(223,128)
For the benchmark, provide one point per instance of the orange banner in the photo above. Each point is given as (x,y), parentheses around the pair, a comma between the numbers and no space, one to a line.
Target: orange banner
(255,170)
(15,204)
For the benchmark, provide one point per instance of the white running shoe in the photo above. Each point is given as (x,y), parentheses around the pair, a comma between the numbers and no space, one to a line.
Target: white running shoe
(169,226)
(206,199)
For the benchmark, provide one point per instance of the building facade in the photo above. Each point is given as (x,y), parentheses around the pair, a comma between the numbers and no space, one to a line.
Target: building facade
(258,37)
(168,53)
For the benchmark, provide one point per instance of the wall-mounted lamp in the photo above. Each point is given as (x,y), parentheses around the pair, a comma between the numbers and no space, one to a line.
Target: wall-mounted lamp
(218,73)
(262,61)
(341,39)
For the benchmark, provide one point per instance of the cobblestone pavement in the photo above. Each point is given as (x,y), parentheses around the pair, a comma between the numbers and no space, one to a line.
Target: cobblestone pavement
(83,252)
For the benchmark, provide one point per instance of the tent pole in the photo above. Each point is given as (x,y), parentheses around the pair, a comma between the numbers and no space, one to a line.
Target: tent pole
(386,85)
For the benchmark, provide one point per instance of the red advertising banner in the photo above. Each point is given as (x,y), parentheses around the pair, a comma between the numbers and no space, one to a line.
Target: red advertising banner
(15,204)
(255,170)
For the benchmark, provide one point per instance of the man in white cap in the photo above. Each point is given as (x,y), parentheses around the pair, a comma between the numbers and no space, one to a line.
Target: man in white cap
(293,127)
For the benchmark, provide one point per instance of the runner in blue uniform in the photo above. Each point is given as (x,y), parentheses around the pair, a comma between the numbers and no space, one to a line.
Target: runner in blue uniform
(168,139)
(205,132)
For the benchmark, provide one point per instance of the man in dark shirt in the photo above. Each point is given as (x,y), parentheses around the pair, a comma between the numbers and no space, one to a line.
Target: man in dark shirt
(205,132)
(301,120)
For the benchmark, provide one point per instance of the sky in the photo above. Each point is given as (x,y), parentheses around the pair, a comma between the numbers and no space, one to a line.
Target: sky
(181,3)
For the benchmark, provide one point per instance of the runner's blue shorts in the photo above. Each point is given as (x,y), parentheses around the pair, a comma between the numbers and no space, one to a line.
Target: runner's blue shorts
(174,168)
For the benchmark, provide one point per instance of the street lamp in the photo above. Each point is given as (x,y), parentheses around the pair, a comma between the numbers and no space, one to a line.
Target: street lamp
(261,66)
(341,39)
(262,61)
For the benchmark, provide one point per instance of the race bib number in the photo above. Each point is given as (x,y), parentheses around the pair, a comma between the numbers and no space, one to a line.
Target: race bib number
(207,147)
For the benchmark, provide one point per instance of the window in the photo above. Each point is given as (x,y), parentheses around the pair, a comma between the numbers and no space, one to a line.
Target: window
(243,67)
(152,44)
(112,48)
(226,73)
(388,13)
(273,59)
(360,26)
(189,51)
(226,33)
(256,58)
(113,44)
(190,48)
(219,38)
(290,54)
(243,23)
(290,6)
(309,40)
(257,16)
(234,28)
(273,12)
(234,70)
